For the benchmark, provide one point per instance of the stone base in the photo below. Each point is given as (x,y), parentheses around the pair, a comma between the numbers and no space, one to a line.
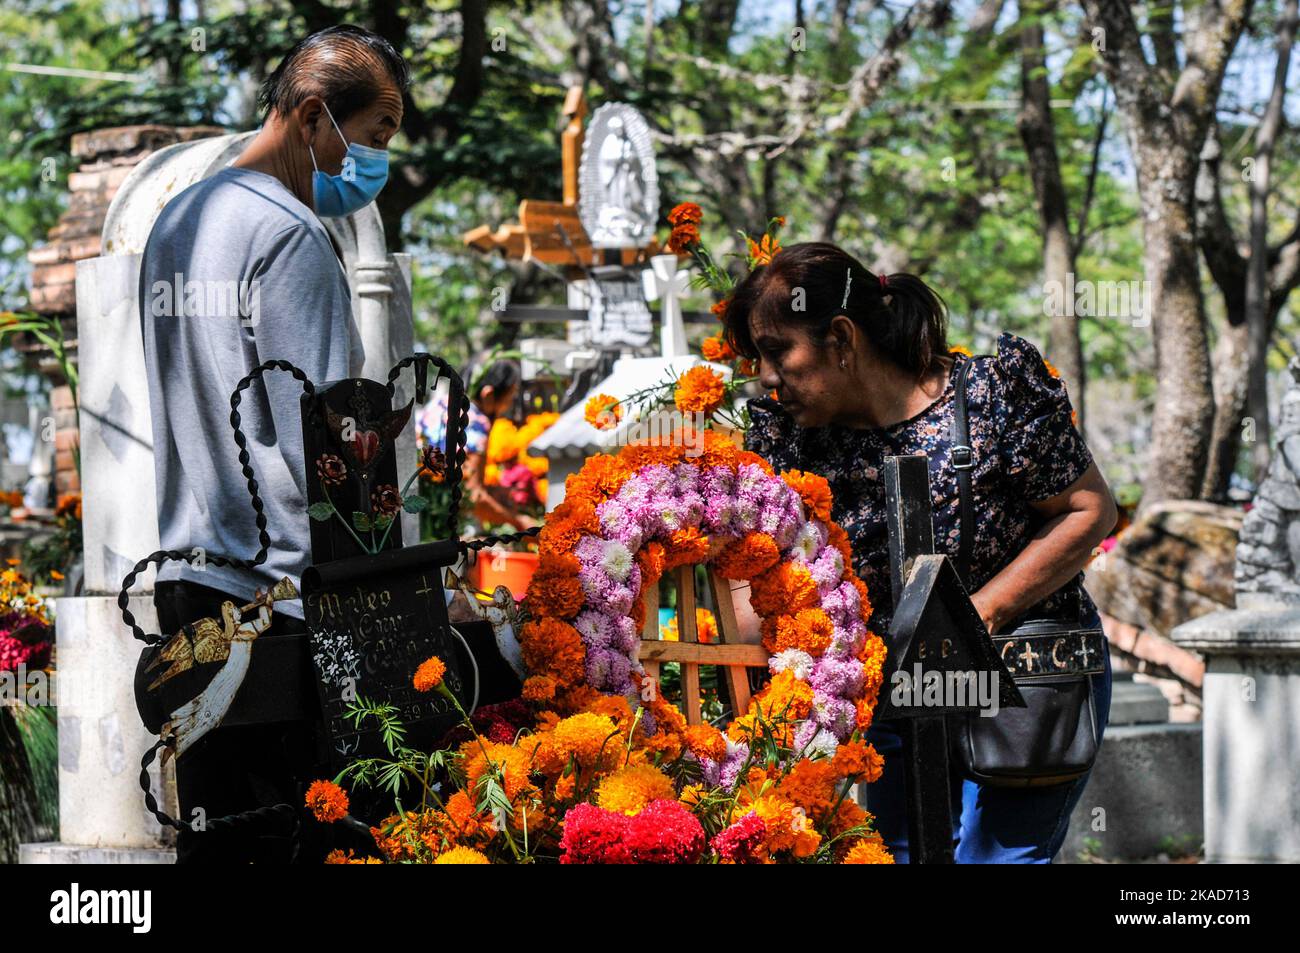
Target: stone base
(56,853)
(1145,793)
(1136,703)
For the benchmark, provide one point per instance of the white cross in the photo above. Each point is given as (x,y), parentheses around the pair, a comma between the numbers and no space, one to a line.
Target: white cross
(665,284)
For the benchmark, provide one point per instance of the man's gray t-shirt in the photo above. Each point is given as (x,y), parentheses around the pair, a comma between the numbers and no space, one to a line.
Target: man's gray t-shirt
(237,272)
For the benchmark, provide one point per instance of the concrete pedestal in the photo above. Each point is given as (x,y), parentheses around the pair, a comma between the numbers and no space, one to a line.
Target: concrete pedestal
(102,816)
(1252,732)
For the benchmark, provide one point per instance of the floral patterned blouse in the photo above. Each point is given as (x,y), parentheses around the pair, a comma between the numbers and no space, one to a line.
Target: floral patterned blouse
(1026,448)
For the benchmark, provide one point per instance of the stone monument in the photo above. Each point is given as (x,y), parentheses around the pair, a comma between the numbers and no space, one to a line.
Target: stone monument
(102,814)
(1252,675)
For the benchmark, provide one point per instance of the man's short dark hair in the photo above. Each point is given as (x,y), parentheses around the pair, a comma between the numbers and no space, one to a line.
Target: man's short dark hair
(343,65)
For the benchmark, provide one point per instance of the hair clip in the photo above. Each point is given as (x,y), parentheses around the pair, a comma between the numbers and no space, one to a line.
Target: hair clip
(848,283)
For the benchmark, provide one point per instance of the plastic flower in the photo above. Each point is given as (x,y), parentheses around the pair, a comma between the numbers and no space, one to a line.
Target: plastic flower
(328,802)
(603,412)
(434,462)
(386,499)
(699,390)
(631,788)
(430,674)
(331,469)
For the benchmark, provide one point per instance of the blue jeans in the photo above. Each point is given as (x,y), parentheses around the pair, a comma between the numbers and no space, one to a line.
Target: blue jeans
(991,825)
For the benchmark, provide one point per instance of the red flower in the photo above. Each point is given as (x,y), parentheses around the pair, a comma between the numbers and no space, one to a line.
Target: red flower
(742,842)
(593,835)
(665,832)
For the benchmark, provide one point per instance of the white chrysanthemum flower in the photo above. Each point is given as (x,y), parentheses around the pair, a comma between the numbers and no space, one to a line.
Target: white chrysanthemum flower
(806,542)
(796,660)
(823,745)
(617,560)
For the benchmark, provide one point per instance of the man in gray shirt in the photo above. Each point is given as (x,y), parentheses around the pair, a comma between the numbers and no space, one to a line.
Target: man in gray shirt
(239,270)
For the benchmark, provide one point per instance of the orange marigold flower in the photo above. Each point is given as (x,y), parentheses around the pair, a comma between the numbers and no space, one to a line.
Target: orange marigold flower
(555,589)
(809,630)
(510,762)
(840,540)
(787,826)
(603,412)
(716,348)
(461,855)
(719,308)
(748,556)
(539,688)
(812,786)
(588,740)
(1051,368)
(786,587)
(705,741)
(328,802)
(430,673)
(813,490)
(870,850)
(685,212)
(554,648)
(684,237)
(630,789)
(685,546)
(958,349)
(699,390)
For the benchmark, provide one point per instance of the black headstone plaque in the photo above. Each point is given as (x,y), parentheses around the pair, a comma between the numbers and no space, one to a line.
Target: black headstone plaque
(373,620)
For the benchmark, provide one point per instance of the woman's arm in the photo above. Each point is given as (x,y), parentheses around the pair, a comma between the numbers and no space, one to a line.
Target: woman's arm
(1077,520)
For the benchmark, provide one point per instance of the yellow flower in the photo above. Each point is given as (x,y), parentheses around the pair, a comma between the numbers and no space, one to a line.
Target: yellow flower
(603,412)
(461,855)
(629,789)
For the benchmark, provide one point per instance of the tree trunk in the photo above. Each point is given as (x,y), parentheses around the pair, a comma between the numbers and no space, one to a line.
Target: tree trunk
(1180,428)
(1231,366)
(1260,330)
(1038,133)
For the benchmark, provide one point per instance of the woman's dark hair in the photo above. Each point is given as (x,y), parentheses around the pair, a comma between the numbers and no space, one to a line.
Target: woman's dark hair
(810,283)
(499,375)
(343,65)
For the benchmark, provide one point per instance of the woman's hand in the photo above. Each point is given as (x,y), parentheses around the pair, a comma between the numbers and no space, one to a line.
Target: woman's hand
(1078,519)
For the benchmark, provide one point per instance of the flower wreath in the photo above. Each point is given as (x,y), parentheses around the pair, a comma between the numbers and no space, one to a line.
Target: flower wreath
(629,518)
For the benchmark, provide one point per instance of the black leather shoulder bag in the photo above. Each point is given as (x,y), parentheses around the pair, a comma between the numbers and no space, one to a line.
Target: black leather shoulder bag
(1055,739)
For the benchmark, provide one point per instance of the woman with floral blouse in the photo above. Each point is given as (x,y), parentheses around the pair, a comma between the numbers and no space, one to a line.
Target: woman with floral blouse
(861,370)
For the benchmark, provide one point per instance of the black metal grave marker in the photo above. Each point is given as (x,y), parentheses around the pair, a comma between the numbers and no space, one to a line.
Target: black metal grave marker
(376,609)
(936,640)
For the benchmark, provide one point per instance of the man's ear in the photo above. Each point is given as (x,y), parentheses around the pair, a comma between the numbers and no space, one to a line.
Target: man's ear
(309,114)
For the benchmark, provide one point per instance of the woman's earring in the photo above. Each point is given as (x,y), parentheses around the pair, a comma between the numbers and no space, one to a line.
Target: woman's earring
(843,365)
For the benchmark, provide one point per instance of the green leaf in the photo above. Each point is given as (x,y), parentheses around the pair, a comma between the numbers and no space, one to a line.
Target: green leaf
(360,521)
(381,521)
(415,504)
(320,511)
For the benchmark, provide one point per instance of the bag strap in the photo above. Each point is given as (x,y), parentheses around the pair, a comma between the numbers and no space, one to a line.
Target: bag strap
(963,461)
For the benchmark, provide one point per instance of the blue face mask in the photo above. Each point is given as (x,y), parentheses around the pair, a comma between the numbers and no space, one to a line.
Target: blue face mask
(363,174)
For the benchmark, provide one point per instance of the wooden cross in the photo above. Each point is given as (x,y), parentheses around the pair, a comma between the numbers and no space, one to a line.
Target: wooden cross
(733,655)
